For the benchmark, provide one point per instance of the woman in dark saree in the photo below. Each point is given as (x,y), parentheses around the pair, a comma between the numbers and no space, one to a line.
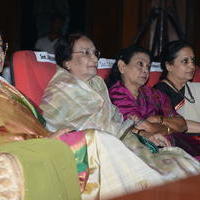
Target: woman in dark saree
(178,64)
(134,99)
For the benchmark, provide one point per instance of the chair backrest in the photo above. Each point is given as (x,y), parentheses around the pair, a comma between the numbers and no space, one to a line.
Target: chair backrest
(154,75)
(196,77)
(156,72)
(33,70)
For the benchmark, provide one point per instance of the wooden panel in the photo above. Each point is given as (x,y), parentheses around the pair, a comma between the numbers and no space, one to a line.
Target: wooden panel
(181,190)
(113,24)
(130,20)
(10,22)
(135,13)
(103,24)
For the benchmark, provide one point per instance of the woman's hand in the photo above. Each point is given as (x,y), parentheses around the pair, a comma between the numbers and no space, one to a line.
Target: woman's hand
(157,139)
(140,124)
(57,134)
(149,127)
(135,119)
(144,125)
(154,119)
(160,140)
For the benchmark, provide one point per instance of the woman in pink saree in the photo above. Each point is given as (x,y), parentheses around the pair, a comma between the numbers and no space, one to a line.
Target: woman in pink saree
(135,100)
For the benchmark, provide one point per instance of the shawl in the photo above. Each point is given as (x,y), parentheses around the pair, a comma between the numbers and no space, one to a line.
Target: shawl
(18,119)
(71,103)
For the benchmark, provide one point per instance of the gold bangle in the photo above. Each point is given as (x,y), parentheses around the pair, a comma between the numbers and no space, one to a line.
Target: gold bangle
(136,131)
(139,131)
(168,130)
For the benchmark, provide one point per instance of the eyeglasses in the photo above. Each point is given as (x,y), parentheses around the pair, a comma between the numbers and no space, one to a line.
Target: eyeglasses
(188,60)
(3,48)
(89,52)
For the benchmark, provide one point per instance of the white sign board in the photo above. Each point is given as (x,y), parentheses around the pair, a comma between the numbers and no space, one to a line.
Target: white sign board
(45,57)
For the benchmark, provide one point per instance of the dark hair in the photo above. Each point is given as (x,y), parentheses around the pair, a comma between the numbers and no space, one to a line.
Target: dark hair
(169,53)
(2,34)
(57,16)
(64,48)
(125,55)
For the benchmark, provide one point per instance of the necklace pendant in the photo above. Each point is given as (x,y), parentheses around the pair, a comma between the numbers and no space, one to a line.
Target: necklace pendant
(191,100)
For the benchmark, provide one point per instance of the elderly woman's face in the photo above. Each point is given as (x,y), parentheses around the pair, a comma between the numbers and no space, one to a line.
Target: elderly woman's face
(183,66)
(136,72)
(2,55)
(84,61)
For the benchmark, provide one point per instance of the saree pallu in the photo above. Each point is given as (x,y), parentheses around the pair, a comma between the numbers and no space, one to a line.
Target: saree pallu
(77,143)
(38,169)
(18,118)
(170,162)
(71,103)
(113,169)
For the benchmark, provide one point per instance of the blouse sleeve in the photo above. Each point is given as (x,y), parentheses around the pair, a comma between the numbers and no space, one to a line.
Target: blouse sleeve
(165,104)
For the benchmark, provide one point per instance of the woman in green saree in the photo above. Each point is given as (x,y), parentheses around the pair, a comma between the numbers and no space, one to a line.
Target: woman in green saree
(35,169)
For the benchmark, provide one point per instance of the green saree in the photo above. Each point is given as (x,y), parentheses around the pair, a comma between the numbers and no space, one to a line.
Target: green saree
(47,171)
